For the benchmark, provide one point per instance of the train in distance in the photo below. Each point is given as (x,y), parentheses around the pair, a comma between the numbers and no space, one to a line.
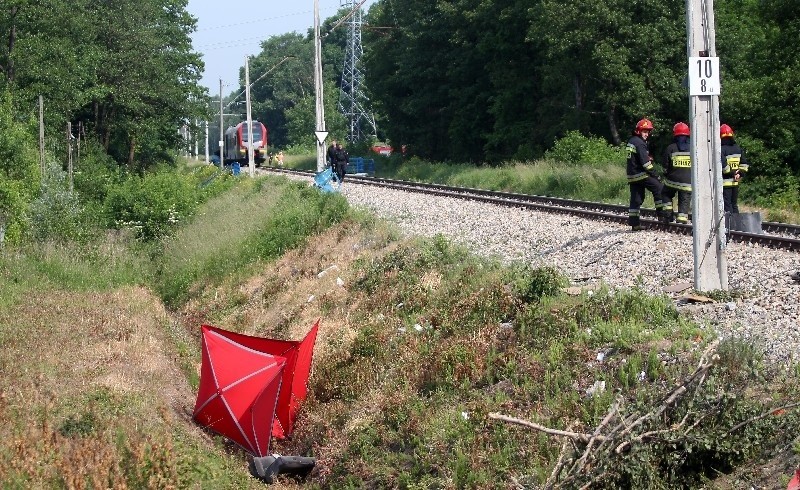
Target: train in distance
(236,141)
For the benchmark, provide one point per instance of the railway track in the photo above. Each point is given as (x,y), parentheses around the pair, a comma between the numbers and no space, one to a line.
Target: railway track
(775,235)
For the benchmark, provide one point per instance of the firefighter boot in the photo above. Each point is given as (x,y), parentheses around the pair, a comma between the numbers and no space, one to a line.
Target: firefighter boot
(633,221)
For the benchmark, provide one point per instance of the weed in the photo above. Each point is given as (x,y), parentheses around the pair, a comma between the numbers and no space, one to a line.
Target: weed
(530,285)
(82,425)
(722,295)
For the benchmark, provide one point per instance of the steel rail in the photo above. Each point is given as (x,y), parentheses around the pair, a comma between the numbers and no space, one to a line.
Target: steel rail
(591,210)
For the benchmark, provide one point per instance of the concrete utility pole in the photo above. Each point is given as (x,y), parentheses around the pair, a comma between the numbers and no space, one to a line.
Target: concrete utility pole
(318,88)
(250,163)
(708,218)
(221,130)
(207,160)
(78,145)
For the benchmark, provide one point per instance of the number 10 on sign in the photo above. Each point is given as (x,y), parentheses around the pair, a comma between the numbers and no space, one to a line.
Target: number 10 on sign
(703,76)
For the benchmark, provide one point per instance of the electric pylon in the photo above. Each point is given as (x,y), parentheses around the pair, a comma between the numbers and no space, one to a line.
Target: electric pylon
(353,101)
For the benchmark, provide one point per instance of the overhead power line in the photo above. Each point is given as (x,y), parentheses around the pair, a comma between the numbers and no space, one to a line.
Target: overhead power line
(256,21)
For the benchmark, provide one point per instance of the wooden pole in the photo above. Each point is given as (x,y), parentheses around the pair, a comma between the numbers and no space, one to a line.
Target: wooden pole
(69,154)
(41,134)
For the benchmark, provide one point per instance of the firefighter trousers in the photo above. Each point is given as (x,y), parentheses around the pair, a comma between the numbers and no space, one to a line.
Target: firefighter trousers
(638,189)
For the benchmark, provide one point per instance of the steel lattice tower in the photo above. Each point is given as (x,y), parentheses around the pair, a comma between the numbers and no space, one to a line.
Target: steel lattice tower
(353,102)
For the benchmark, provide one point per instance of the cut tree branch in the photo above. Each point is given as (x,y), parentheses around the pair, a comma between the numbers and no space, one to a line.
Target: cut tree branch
(578,436)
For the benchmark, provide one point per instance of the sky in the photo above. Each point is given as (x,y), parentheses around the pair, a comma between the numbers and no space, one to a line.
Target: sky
(229,31)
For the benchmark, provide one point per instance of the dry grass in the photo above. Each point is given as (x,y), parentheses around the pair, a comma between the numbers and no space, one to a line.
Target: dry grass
(91,383)
(288,296)
(85,379)
(284,300)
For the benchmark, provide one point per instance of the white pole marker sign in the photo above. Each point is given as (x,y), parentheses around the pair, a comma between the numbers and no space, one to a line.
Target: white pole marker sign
(703,76)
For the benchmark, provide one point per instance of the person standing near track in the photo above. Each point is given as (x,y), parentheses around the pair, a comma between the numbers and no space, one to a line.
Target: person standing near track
(641,175)
(341,159)
(734,164)
(677,163)
(329,156)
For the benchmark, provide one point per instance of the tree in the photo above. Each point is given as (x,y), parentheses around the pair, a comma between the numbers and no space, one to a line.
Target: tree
(19,171)
(282,77)
(124,68)
(760,80)
(146,76)
(618,60)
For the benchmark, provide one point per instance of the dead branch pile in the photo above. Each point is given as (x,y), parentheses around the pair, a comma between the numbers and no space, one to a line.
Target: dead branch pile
(585,458)
(592,459)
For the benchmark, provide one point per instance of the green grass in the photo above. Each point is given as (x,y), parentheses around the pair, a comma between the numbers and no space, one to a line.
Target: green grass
(81,336)
(104,264)
(257,221)
(420,346)
(437,384)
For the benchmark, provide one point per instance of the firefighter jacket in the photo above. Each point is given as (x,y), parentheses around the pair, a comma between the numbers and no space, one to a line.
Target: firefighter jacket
(330,155)
(677,164)
(640,164)
(733,162)
(340,157)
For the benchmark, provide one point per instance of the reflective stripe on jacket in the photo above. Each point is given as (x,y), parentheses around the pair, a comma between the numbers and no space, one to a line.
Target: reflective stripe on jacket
(639,166)
(733,160)
(678,165)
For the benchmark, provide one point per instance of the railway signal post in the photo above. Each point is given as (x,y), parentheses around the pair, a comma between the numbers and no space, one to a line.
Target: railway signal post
(708,218)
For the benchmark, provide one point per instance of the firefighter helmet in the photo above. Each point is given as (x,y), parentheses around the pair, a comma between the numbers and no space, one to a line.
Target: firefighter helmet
(680,129)
(725,131)
(644,125)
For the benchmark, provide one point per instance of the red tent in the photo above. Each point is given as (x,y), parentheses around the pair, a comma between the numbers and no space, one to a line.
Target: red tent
(295,379)
(294,386)
(794,484)
(239,387)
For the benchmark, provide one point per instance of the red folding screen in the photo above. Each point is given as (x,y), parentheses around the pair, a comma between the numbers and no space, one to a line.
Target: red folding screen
(235,365)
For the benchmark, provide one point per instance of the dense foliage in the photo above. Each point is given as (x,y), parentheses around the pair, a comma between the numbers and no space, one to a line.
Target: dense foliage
(19,172)
(490,80)
(282,88)
(122,71)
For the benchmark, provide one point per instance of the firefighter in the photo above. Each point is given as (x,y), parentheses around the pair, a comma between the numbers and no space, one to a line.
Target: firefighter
(734,164)
(641,175)
(677,165)
(329,156)
(342,158)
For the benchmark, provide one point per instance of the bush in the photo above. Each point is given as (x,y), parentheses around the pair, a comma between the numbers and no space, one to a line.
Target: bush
(153,205)
(96,174)
(56,214)
(19,171)
(577,149)
(530,285)
(12,209)
(769,182)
